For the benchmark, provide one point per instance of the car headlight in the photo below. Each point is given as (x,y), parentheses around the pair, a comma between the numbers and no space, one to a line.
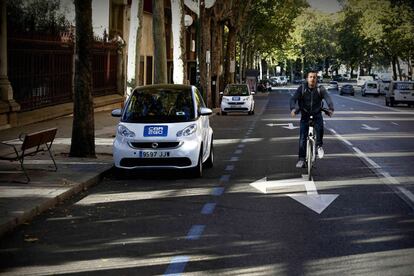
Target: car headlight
(125,132)
(187,131)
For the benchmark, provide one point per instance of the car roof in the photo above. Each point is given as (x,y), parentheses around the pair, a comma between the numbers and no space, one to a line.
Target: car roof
(166,86)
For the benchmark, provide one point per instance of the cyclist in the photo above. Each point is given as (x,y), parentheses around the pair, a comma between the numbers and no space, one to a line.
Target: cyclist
(309,97)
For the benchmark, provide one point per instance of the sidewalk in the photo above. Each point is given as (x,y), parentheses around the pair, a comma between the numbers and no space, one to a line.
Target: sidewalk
(21,202)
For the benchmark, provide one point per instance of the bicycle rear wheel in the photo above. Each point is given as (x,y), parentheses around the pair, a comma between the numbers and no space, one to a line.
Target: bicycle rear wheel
(309,158)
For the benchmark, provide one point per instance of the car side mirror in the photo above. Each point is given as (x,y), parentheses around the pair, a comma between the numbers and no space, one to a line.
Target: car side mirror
(204,111)
(253,92)
(116,112)
(221,93)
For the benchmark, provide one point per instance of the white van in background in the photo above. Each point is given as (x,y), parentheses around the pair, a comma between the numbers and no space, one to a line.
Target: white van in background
(362,79)
(384,86)
(400,92)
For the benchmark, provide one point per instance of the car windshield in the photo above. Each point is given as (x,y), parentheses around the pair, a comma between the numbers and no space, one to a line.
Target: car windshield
(404,85)
(371,85)
(236,90)
(159,106)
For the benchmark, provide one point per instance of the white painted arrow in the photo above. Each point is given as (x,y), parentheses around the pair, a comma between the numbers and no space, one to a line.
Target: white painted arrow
(288,125)
(314,201)
(367,127)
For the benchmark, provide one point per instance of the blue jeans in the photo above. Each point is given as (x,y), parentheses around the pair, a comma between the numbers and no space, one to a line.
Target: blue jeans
(304,127)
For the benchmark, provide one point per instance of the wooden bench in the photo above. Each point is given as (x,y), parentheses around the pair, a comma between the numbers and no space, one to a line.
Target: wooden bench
(32,143)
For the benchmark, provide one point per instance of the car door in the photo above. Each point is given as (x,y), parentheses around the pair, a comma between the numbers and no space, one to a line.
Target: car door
(205,123)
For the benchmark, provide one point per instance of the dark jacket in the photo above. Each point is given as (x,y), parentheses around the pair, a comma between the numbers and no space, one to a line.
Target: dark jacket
(310,100)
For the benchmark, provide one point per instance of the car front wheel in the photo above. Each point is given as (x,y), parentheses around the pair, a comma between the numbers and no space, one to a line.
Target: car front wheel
(197,171)
(210,161)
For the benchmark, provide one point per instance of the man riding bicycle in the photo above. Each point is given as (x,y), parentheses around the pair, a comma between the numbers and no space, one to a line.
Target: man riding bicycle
(309,97)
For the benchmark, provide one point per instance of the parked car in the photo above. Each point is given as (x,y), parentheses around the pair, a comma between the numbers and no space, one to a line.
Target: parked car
(400,92)
(347,89)
(333,85)
(237,98)
(282,80)
(338,78)
(384,85)
(362,79)
(264,86)
(164,126)
(370,87)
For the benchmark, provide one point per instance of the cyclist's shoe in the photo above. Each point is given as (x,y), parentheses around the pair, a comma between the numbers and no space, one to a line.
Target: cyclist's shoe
(321,152)
(300,164)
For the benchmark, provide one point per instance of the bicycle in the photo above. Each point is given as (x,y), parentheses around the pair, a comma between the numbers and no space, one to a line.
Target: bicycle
(311,144)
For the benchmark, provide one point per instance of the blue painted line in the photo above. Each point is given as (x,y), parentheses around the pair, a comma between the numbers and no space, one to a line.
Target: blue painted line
(234,159)
(177,265)
(208,208)
(225,178)
(195,232)
(229,168)
(218,191)
(241,146)
(239,151)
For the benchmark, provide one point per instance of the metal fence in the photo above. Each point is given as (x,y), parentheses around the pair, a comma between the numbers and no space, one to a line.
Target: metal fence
(41,70)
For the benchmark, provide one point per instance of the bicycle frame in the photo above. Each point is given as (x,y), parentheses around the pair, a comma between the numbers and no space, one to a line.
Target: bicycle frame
(310,147)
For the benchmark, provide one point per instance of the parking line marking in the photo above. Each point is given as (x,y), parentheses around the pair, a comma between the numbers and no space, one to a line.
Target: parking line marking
(229,168)
(394,123)
(241,146)
(225,178)
(238,151)
(234,159)
(217,191)
(208,208)
(177,265)
(195,232)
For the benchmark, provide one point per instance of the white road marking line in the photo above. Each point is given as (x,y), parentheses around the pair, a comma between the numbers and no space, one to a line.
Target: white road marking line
(388,179)
(340,137)
(364,156)
(195,232)
(241,146)
(217,191)
(229,168)
(234,159)
(356,100)
(208,208)
(177,265)
(407,193)
(394,123)
(239,151)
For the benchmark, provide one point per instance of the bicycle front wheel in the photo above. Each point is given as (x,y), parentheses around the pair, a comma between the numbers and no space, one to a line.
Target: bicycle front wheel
(309,157)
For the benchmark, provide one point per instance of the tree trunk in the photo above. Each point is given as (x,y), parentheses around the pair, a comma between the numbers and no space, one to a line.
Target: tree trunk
(394,69)
(399,68)
(160,51)
(140,16)
(83,129)
(241,62)
(217,57)
(178,30)
(230,55)
(205,53)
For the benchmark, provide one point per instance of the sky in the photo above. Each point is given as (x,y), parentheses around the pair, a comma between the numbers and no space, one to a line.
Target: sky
(328,6)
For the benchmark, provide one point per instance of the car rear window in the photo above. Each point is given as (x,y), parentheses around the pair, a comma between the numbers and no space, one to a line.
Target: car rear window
(159,106)
(371,85)
(236,90)
(404,86)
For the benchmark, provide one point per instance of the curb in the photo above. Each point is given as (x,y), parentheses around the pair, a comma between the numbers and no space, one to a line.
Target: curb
(29,215)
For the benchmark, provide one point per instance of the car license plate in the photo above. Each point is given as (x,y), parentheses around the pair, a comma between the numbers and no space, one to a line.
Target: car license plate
(159,131)
(237,98)
(154,154)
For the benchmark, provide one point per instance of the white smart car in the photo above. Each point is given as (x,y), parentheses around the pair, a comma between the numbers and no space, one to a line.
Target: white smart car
(237,98)
(164,126)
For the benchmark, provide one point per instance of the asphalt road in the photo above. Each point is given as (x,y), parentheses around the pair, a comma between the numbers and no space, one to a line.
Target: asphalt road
(353,219)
